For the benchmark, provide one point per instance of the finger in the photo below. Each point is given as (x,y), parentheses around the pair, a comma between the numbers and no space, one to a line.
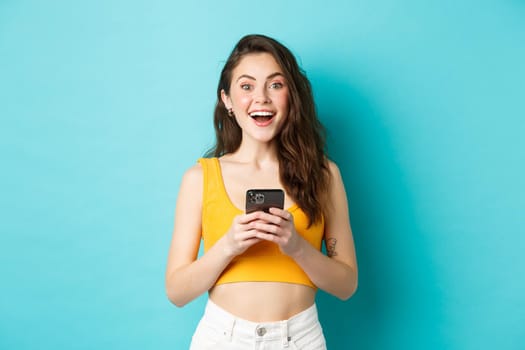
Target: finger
(247,218)
(267,237)
(246,235)
(261,216)
(268,228)
(284,214)
(251,241)
(275,220)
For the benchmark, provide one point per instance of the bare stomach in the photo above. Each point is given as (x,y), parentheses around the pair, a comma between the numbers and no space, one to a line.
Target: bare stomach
(263,301)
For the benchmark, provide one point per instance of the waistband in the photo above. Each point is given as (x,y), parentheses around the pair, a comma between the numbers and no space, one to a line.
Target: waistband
(233,326)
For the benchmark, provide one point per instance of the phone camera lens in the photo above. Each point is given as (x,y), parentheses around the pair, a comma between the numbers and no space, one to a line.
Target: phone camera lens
(255,197)
(259,198)
(251,197)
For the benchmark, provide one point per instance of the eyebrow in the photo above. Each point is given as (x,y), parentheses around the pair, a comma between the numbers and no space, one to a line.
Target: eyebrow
(271,76)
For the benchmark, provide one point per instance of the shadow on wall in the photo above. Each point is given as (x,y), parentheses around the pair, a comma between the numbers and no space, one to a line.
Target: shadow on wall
(397,301)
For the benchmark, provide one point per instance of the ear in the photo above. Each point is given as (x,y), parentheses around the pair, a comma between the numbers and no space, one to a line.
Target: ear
(226,99)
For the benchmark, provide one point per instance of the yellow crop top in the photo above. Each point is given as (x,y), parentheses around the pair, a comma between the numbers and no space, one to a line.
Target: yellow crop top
(263,261)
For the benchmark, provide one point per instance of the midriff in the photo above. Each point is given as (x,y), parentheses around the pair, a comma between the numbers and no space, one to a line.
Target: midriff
(263,301)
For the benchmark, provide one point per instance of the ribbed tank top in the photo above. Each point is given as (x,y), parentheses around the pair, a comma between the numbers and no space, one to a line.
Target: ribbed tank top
(263,261)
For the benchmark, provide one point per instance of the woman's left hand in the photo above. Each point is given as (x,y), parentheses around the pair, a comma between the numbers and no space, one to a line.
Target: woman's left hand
(278,227)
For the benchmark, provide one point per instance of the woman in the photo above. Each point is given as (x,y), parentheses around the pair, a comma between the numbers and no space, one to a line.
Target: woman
(262,269)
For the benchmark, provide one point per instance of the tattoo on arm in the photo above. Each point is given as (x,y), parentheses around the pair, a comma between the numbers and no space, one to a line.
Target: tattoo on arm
(330,247)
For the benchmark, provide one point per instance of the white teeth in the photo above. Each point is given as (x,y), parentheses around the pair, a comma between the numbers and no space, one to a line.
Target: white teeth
(261,114)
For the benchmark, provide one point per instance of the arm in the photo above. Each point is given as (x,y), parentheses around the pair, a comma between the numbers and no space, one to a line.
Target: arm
(336,272)
(186,276)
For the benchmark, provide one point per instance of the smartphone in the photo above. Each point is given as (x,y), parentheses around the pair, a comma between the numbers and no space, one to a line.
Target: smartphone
(264,199)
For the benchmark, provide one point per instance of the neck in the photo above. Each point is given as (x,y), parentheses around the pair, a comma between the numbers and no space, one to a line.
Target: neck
(255,152)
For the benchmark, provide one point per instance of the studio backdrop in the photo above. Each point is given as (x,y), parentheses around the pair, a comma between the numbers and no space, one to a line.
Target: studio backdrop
(105,104)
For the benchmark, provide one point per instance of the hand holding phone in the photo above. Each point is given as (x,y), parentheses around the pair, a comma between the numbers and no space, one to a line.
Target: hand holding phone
(264,199)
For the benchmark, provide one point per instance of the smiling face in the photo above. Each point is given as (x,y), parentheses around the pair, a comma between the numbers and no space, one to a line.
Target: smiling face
(258,97)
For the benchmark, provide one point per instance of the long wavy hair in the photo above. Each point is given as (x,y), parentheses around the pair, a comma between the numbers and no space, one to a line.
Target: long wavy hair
(303,164)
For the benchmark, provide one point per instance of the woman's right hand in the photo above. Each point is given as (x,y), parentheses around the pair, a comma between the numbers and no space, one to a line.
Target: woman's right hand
(241,235)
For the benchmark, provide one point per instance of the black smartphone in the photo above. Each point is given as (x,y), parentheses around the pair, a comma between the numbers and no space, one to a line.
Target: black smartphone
(264,199)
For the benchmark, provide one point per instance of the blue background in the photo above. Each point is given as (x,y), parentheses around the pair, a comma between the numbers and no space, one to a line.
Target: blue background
(104,104)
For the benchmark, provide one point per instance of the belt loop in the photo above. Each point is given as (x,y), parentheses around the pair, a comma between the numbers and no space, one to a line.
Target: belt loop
(284,333)
(228,330)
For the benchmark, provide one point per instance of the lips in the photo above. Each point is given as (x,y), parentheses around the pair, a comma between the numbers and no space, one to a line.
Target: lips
(262,118)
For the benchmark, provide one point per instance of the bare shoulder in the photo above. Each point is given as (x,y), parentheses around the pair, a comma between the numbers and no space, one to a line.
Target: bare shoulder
(338,233)
(191,187)
(337,201)
(335,174)
(186,230)
(193,174)
(189,199)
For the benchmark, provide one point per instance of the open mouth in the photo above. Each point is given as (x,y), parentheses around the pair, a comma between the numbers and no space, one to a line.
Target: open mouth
(262,117)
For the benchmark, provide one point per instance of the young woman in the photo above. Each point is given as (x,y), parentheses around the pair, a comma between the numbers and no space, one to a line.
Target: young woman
(262,269)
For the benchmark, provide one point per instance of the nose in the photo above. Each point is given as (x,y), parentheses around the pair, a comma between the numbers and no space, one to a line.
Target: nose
(261,95)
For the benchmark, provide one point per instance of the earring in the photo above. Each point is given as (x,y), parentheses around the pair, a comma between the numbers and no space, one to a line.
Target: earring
(230,112)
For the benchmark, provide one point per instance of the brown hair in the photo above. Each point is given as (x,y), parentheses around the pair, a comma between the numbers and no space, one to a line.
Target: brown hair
(303,165)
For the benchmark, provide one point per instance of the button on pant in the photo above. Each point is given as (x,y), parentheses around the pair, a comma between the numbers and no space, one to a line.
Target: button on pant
(220,330)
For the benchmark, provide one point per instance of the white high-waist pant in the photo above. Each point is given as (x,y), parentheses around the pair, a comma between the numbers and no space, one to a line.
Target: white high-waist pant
(220,330)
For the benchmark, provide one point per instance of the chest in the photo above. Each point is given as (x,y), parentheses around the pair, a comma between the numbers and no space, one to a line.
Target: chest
(237,180)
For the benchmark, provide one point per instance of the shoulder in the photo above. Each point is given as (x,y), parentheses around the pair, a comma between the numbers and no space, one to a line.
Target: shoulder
(337,218)
(336,187)
(335,174)
(191,188)
(193,176)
